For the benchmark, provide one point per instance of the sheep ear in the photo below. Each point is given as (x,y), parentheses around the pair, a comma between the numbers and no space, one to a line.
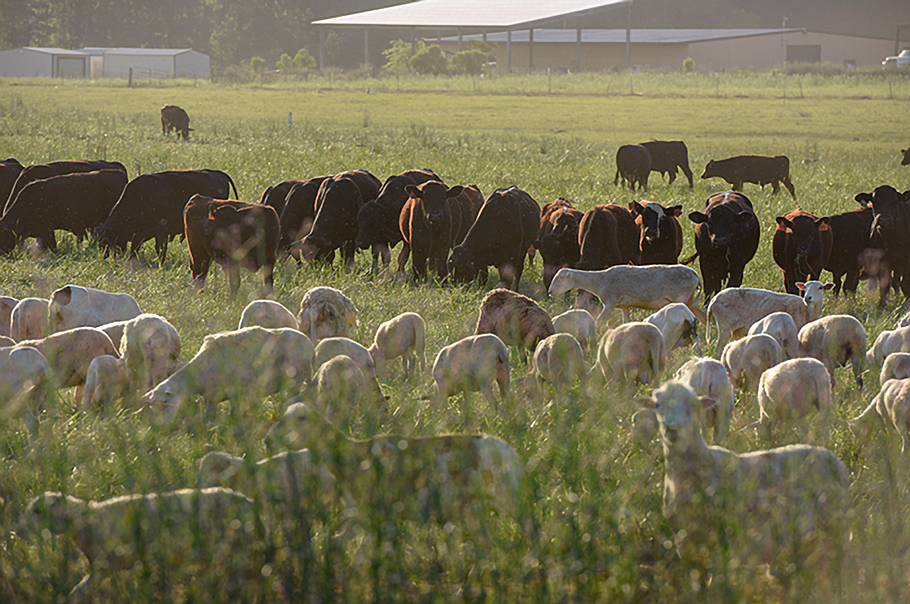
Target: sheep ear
(828,286)
(707,402)
(801,286)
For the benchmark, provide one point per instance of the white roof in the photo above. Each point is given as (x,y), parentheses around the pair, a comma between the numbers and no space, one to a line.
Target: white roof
(498,14)
(638,36)
(54,51)
(146,51)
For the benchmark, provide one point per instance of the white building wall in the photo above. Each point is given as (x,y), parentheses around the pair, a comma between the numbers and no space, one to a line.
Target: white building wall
(193,64)
(26,63)
(156,66)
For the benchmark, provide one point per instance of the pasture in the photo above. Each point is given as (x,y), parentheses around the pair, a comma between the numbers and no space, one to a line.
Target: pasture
(595,497)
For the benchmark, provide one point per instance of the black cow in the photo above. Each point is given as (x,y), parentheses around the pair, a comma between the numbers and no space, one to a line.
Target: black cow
(151,206)
(661,238)
(299,210)
(801,247)
(905,157)
(9,172)
(274,195)
(175,118)
(891,223)
(57,168)
(758,169)
(852,249)
(726,238)
(557,238)
(633,165)
(667,156)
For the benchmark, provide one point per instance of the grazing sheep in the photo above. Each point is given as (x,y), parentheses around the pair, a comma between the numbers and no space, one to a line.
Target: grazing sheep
(326,312)
(75,306)
(577,322)
(558,360)
(28,319)
(342,384)
(471,364)
(7,305)
(329,348)
(764,507)
(747,359)
(835,340)
(644,427)
(240,365)
(105,382)
(27,376)
(518,320)
(114,331)
(895,367)
(268,314)
(632,351)
(736,309)
(624,287)
(707,378)
(70,353)
(889,409)
(151,351)
(212,535)
(677,324)
(402,336)
(904,321)
(780,326)
(791,390)
(888,342)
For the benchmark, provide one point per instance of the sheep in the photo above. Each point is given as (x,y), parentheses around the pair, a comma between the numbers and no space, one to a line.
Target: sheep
(835,340)
(747,359)
(28,319)
(644,427)
(181,535)
(105,382)
(114,331)
(267,313)
(895,367)
(326,312)
(518,320)
(341,384)
(764,507)
(888,342)
(237,366)
(7,305)
(402,336)
(577,322)
(677,324)
(889,409)
(736,309)
(27,377)
(632,351)
(74,306)
(558,360)
(329,348)
(70,353)
(780,326)
(471,364)
(708,378)
(791,390)
(624,287)
(904,321)
(150,349)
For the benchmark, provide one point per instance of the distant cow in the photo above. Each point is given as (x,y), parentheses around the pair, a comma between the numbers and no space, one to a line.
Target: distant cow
(151,206)
(9,172)
(557,238)
(667,156)
(757,169)
(905,157)
(175,118)
(233,234)
(298,211)
(851,244)
(426,226)
(56,168)
(891,222)
(500,236)
(661,237)
(633,165)
(726,238)
(607,236)
(801,247)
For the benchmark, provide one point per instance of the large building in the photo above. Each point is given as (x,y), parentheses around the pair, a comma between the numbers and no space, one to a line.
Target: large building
(33,62)
(158,63)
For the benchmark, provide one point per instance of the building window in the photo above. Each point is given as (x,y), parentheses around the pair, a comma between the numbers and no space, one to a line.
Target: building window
(804,54)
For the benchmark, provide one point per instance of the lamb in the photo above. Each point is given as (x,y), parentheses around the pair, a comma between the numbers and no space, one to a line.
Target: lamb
(105,382)
(780,326)
(707,378)
(888,342)
(402,336)
(677,324)
(632,351)
(114,331)
(558,360)
(267,313)
(27,377)
(747,359)
(75,306)
(329,348)
(70,353)
(835,340)
(518,320)
(791,390)
(895,367)
(181,535)
(889,409)
(471,364)
(237,366)
(28,319)
(577,322)
(624,287)
(766,507)
(326,312)
(7,305)
(736,309)
(341,384)
(151,351)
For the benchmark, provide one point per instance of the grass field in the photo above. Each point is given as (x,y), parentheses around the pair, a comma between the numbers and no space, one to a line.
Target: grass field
(596,497)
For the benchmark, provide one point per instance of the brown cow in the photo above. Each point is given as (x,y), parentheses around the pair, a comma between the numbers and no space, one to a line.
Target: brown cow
(57,168)
(667,156)
(274,195)
(299,211)
(607,236)
(557,239)
(661,238)
(466,206)
(9,172)
(175,118)
(757,169)
(851,249)
(801,247)
(427,226)
(905,159)
(633,166)
(233,234)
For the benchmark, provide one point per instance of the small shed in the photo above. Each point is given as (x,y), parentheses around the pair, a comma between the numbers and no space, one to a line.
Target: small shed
(35,62)
(156,63)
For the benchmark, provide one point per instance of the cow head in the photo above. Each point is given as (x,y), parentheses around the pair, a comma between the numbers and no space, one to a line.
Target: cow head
(710,170)
(805,229)
(887,209)
(461,265)
(905,160)
(721,223)
(654,218)
(370,222)
(434,200)
(109,239)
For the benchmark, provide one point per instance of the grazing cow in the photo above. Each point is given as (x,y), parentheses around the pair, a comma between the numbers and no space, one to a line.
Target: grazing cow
(151,206)
(851,240)
(801,247)
(667,156)
(274,195)
(905,157)
(500,236)
(233,234)
(335,223)
(633,165)
(426,225)
(891,223)
(464,209)
(56,168)
(661,236)
(298,211)
(607,236)
(9,172)
(726,238)
(757,169)
(557,238)
(378,217)
(175,118)
(71,202)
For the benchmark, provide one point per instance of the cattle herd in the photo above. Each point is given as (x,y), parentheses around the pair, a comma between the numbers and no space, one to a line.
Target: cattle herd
(783,352)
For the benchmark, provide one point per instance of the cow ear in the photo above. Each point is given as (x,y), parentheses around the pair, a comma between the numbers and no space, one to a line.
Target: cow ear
(674,211)
(412,190)
(783,222)
(454,191)
(636,208)
(697,217)
(822,223)
(905,196)
(744,217)
(863,198)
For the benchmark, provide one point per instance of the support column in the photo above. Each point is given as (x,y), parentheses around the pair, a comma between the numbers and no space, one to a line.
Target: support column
(509,50)
(366,46)
(460,46)
(578,49)
(531,49)
(321,48)
(629,37)
(413,42)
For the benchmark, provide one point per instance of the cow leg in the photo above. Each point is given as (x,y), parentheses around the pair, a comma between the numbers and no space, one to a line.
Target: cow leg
(672,175)
(233,272)
(419,264)
(48,242)
(738,186)
(347,252)
(161,247)
(268,279)
(736,276)
(688,174)
(789,184)
(507,275)
(403,256)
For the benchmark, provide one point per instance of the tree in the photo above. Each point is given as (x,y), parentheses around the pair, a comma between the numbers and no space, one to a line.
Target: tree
(470,62)
(285,63)
(303,62)
(398,57)
(429,60)
(257,64)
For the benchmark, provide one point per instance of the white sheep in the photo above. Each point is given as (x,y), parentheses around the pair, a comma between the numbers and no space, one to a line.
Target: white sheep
(471,364)
(7,305)
(114,331)
(644,427)
(835,340)
(577,322)
(889,409)
(341,384)
(28,319)
(150,349)
(677,324)
(24,389)
(791,390)
(770,507)
(631,352)
(736,309)
(326,312)
(403,336)
(267,313)
(708,378)
(888,342)
(649,287)
(105,382)
(329,348)
(747,359)
(559,360)
(70,353)
(517,320)
(780,326)
(895,367)
(74,306)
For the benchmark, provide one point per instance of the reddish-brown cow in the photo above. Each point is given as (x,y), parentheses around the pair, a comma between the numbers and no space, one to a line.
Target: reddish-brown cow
(801,247)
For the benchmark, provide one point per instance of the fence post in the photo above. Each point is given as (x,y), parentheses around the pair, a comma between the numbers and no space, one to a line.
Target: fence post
(130,83)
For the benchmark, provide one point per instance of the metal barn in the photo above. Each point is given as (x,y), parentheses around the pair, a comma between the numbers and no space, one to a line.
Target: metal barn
(34,62)
(156,63)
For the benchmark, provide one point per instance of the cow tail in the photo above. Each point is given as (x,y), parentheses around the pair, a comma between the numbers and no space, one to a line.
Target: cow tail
(233,186)
(689,259)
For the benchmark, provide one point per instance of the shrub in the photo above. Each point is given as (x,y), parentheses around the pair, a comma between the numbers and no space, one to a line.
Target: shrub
(285,64)
(429,60)
(257,64)
(398,56)
(688,65)
(303,62)
(470,62)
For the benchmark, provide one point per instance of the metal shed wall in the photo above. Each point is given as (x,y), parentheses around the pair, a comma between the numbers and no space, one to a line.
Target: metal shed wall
(42,63)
